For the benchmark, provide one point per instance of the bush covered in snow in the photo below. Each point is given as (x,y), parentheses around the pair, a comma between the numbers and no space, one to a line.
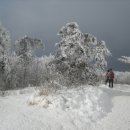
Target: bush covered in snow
(124,59)
(37,72)
(122,77)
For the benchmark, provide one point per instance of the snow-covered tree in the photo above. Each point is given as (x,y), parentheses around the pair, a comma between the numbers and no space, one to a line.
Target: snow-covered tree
(80,56)
(26,46)
(4,51)
(24,49)
(124,59)
(4,47)
(100,55)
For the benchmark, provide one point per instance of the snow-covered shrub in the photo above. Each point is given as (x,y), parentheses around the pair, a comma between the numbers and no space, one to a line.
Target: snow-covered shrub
(40,72)
(124,59)
(35,72)
(122,77)
(79,57)
(50,77)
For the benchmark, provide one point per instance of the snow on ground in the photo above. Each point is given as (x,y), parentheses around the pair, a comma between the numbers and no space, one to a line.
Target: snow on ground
(83,108)
(119,118)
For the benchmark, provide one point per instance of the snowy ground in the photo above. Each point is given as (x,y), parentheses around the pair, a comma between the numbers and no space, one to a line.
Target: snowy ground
(84,108)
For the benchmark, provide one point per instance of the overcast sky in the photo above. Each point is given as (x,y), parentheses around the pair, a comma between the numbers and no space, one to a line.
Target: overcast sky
(108,20)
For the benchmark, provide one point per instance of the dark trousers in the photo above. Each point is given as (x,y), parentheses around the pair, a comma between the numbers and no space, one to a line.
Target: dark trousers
(111,83)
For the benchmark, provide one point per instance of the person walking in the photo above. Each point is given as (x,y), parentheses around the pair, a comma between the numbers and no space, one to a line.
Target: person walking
(111,78)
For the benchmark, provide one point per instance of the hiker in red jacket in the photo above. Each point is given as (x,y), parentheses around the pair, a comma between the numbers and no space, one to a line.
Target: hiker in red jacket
(111,78)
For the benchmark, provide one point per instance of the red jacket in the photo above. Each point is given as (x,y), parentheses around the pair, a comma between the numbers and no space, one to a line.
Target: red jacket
(111,75)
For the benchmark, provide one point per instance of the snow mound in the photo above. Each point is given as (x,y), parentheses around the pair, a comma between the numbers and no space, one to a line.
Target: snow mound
(83,103)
